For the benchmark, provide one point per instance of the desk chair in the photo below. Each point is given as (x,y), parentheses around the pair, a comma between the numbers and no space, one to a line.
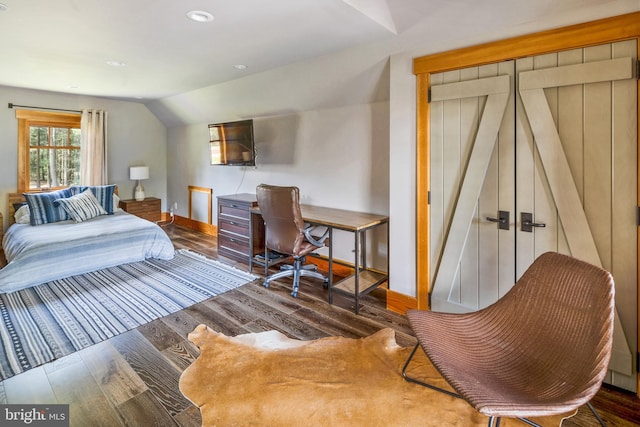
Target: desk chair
(542,349)
(286,233)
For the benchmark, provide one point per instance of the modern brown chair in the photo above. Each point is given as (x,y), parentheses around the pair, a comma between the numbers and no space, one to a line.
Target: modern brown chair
(287,233)
(542,349)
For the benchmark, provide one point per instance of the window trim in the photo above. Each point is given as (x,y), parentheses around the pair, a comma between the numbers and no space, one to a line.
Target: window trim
(28,118)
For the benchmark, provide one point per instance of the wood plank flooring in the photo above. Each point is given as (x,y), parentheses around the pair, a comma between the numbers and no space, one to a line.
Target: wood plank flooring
(132,379)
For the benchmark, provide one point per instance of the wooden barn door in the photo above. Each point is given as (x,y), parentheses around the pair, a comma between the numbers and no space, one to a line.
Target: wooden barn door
(472,179)
(553,166)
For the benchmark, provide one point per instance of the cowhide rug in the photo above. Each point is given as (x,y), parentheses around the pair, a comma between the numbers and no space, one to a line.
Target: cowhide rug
(267,379)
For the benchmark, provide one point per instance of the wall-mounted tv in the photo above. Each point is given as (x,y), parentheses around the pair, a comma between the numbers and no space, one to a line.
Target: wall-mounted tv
(232,143)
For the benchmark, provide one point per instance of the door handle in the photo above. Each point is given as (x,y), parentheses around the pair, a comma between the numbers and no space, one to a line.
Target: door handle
(502,220)
(527,224)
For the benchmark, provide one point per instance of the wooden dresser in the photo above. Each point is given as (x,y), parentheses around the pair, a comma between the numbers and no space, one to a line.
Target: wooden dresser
(236,226)
(148,208)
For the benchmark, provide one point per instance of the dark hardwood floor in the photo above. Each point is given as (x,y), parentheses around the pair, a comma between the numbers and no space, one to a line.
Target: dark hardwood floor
(132,379)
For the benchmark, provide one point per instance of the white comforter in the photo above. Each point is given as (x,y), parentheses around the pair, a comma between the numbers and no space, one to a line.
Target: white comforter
(39,254)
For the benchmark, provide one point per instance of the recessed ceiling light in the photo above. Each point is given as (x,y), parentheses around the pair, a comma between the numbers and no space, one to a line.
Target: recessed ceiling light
(240,67)
(3,7)
(114,63)
(199,16)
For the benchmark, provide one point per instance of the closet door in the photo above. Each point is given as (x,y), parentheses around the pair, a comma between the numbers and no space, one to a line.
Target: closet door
(557,156)
(576,172)
(472,182)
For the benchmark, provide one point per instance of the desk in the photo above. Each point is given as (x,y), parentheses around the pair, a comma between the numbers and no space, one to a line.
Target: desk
(363,280)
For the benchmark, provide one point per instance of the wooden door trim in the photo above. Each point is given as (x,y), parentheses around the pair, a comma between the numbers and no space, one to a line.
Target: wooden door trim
(423,269)
(608,30)
(592,33)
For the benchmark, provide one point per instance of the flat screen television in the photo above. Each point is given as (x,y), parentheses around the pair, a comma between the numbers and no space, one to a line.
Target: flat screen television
(232,143)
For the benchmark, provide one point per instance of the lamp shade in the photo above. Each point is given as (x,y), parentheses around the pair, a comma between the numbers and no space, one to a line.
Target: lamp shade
(139,172)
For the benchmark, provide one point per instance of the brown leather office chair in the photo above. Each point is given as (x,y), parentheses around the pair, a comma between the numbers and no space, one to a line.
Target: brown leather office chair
(542,349)
(286,233)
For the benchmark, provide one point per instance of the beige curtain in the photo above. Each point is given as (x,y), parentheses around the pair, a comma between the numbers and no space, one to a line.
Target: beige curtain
(93,148)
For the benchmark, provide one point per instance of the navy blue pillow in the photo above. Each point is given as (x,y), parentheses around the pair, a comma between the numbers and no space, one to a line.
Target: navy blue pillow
(44,210)
(104,194)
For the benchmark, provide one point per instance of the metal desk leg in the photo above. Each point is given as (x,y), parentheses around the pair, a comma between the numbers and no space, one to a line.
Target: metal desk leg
(357,272)
(363,250)
(266,256)
(250,243)
(330,265)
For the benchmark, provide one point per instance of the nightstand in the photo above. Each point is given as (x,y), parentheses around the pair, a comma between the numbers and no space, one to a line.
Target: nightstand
(148,208)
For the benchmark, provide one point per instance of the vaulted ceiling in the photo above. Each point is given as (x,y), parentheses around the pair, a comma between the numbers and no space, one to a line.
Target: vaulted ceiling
(149,49)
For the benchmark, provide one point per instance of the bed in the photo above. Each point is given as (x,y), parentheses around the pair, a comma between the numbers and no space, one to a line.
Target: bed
(55,250)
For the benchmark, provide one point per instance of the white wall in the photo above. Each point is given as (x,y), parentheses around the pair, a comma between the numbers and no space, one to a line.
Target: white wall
(337,157)
(136,137)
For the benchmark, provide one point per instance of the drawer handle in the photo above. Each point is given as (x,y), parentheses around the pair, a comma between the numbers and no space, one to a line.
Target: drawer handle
(232,223)
(232,240)
(234,206)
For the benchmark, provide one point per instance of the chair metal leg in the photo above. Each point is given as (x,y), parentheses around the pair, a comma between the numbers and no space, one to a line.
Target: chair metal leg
(297,270)
(416,381)
(595,413)
(531,423)
(297,263)
(589,405)
(308,267)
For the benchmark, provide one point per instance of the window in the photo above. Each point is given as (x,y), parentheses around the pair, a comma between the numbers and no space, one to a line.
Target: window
(48,150)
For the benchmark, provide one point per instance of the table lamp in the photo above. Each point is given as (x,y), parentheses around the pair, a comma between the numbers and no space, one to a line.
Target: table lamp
(139,173)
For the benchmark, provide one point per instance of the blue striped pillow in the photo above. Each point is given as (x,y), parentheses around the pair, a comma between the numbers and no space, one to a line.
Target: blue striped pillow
(82,207)
(103,193)
(42,207)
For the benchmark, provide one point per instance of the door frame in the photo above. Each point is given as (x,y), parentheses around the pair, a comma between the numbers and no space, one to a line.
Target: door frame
(608,30)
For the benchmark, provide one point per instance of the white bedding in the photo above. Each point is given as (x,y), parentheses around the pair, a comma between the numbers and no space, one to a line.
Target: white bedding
(39,254)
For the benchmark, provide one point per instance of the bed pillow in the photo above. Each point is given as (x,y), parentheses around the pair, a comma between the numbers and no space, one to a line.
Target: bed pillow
(103,193)
(18,205)
(22,215)
(42,207)
(82,207)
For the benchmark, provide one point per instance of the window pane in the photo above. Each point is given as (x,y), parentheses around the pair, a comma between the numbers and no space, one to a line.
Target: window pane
(67,167)
(53,167)
(75,137)
(60,137)
(39,168)
(38,136)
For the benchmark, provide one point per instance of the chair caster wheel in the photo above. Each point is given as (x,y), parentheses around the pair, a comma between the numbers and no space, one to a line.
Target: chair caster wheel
(325,284)
(266,284)
(294,294)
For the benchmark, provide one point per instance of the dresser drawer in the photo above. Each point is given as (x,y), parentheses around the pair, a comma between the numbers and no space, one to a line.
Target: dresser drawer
(238,245)
(234,211)
(236,226)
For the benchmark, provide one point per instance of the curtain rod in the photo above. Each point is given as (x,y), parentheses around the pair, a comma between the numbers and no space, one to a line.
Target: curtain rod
(11,105)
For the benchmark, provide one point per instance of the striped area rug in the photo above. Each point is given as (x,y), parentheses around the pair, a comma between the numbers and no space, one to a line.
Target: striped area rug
(52,320)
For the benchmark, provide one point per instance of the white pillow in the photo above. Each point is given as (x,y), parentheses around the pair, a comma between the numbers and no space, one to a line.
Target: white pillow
(22,215)
(116,202)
